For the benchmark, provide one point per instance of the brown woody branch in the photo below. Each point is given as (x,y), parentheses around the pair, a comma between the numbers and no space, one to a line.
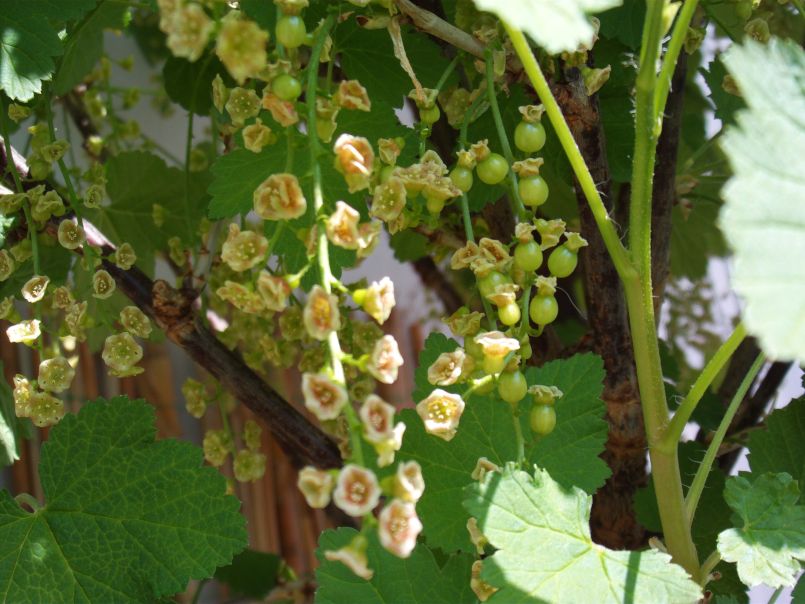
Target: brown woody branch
(439,28)
(172,310)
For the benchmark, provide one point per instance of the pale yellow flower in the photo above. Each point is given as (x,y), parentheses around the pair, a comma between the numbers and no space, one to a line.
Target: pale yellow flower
(408,482)
(447,368)
(323,397)
(316,485)
(353,556)
(342,226)
(398,528)
(441,412)
(243,249)
(321,315)
(279,197)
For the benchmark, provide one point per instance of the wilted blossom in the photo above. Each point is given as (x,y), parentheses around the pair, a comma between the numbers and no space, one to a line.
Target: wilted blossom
(256,136)
(354,158)
(316,485)
(357,491)
(480,588)
(342,226)
(242,104)
(398,528)
(279,197)
(447,368)
(385,360)
(55,375)
(241,297)
(283,112)
(353,556)
(274,291)
(478,539)
(441,412)
(241,46)
(377,299)
(408,482)
(368,238)
(195,397)
(352,95)
(482,466)
(464,256)
(323,397)
(321,315)
(35,288)
(243,249)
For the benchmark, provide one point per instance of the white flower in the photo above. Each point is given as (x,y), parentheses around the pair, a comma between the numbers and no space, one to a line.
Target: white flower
(386,449)
(356,491)
(342,226)
(408,482)
(316,485)
(441,412)
(34,289)
(353,556)
(323,397)
(398,528)
(321,316)
(55,375)
(377,417)
(24,332)
(447,369)
(385,360)
(377,299)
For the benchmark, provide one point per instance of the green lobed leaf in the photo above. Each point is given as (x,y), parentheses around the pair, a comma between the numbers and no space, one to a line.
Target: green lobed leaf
(190,84)
(798,595)
(126,519)
(129,216)
(764,213)
(419,579)
(84,44)
(367,55)
(409,245)
(29,41)
(768,541)
(556,25)
(781,447)
(624,23)
(569,453)
(695,237)
(252,574)
(545,552)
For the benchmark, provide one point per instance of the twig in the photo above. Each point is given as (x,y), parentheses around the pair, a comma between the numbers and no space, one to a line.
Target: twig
(438,27)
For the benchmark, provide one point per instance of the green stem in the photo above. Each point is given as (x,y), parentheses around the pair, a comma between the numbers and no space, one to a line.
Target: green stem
(188,149)
(511,179)
(697,486)
(619,255)
(518,434)
(12,167)
(443,79)
(671,435)
(774,597)
(708,565)
(669,60)
(801,8)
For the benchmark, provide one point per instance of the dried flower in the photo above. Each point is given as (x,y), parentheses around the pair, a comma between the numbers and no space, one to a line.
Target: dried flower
(357,491)
(352,95)
(323,397)
(7,265)
(283,112)
(355,160)
(441,412)
(279,197)
(257,135)
(353,556)
(274,291)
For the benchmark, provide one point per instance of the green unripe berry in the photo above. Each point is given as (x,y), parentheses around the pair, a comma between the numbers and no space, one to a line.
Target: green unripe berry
(529,137)
(429,115)
(462,178)
(509,314)
(533,190)
(528,256)
(434,205)
(493,169)
(542,419)
(291,31)
(543,310)
(494,364)
(512,386)
(488,284)
(286,87)
(562,262)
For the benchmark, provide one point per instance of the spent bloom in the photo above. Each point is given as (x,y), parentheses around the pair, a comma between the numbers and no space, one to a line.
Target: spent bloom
(408,482)
(321,315)
(7,265)
(398,528)
(242,104)
(377,299)
(256,136)
(55,375)
(316,485)
(24,332)
(354,158)
(273,290)
(357,491)
(279,197)
(441,412)
(249,466)
(217,445)
(241,297)
(243,249)
(342,226)
(385,360)
(283,112)
(352,95)
(323,397)
(241,46)
(35,288)
(353,556)
(388,200)
(447,369)
(195,397)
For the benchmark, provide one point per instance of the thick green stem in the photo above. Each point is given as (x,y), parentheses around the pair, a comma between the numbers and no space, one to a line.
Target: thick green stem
(678,36)
(619,255)
(518,434)
(511,180)
(671,435)
(708,565)
(697,486)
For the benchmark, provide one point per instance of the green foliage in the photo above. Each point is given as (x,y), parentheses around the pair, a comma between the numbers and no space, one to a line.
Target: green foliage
(726,104)
(545,552)
(12,428)
(126,519)
(251,574)
(695,237)
(624,23)
(409,245)
(54,263)
(768,541)
(419,579)
(129,216)
(556,25)
(569,453)
(84,44)
(29,40)
(780,447)
(764,213)
(190,84)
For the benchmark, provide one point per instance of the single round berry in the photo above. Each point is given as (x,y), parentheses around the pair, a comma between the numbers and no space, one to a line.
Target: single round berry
(542,419)
(533,190)
(528,256)
(291,31)
(512,386)
(509,314)
(543,310)
(743,10)
(462,178)
(529,137)
(488,284)
(493,169)
(286,87)
(429,115)
(434,204)
(562,262)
